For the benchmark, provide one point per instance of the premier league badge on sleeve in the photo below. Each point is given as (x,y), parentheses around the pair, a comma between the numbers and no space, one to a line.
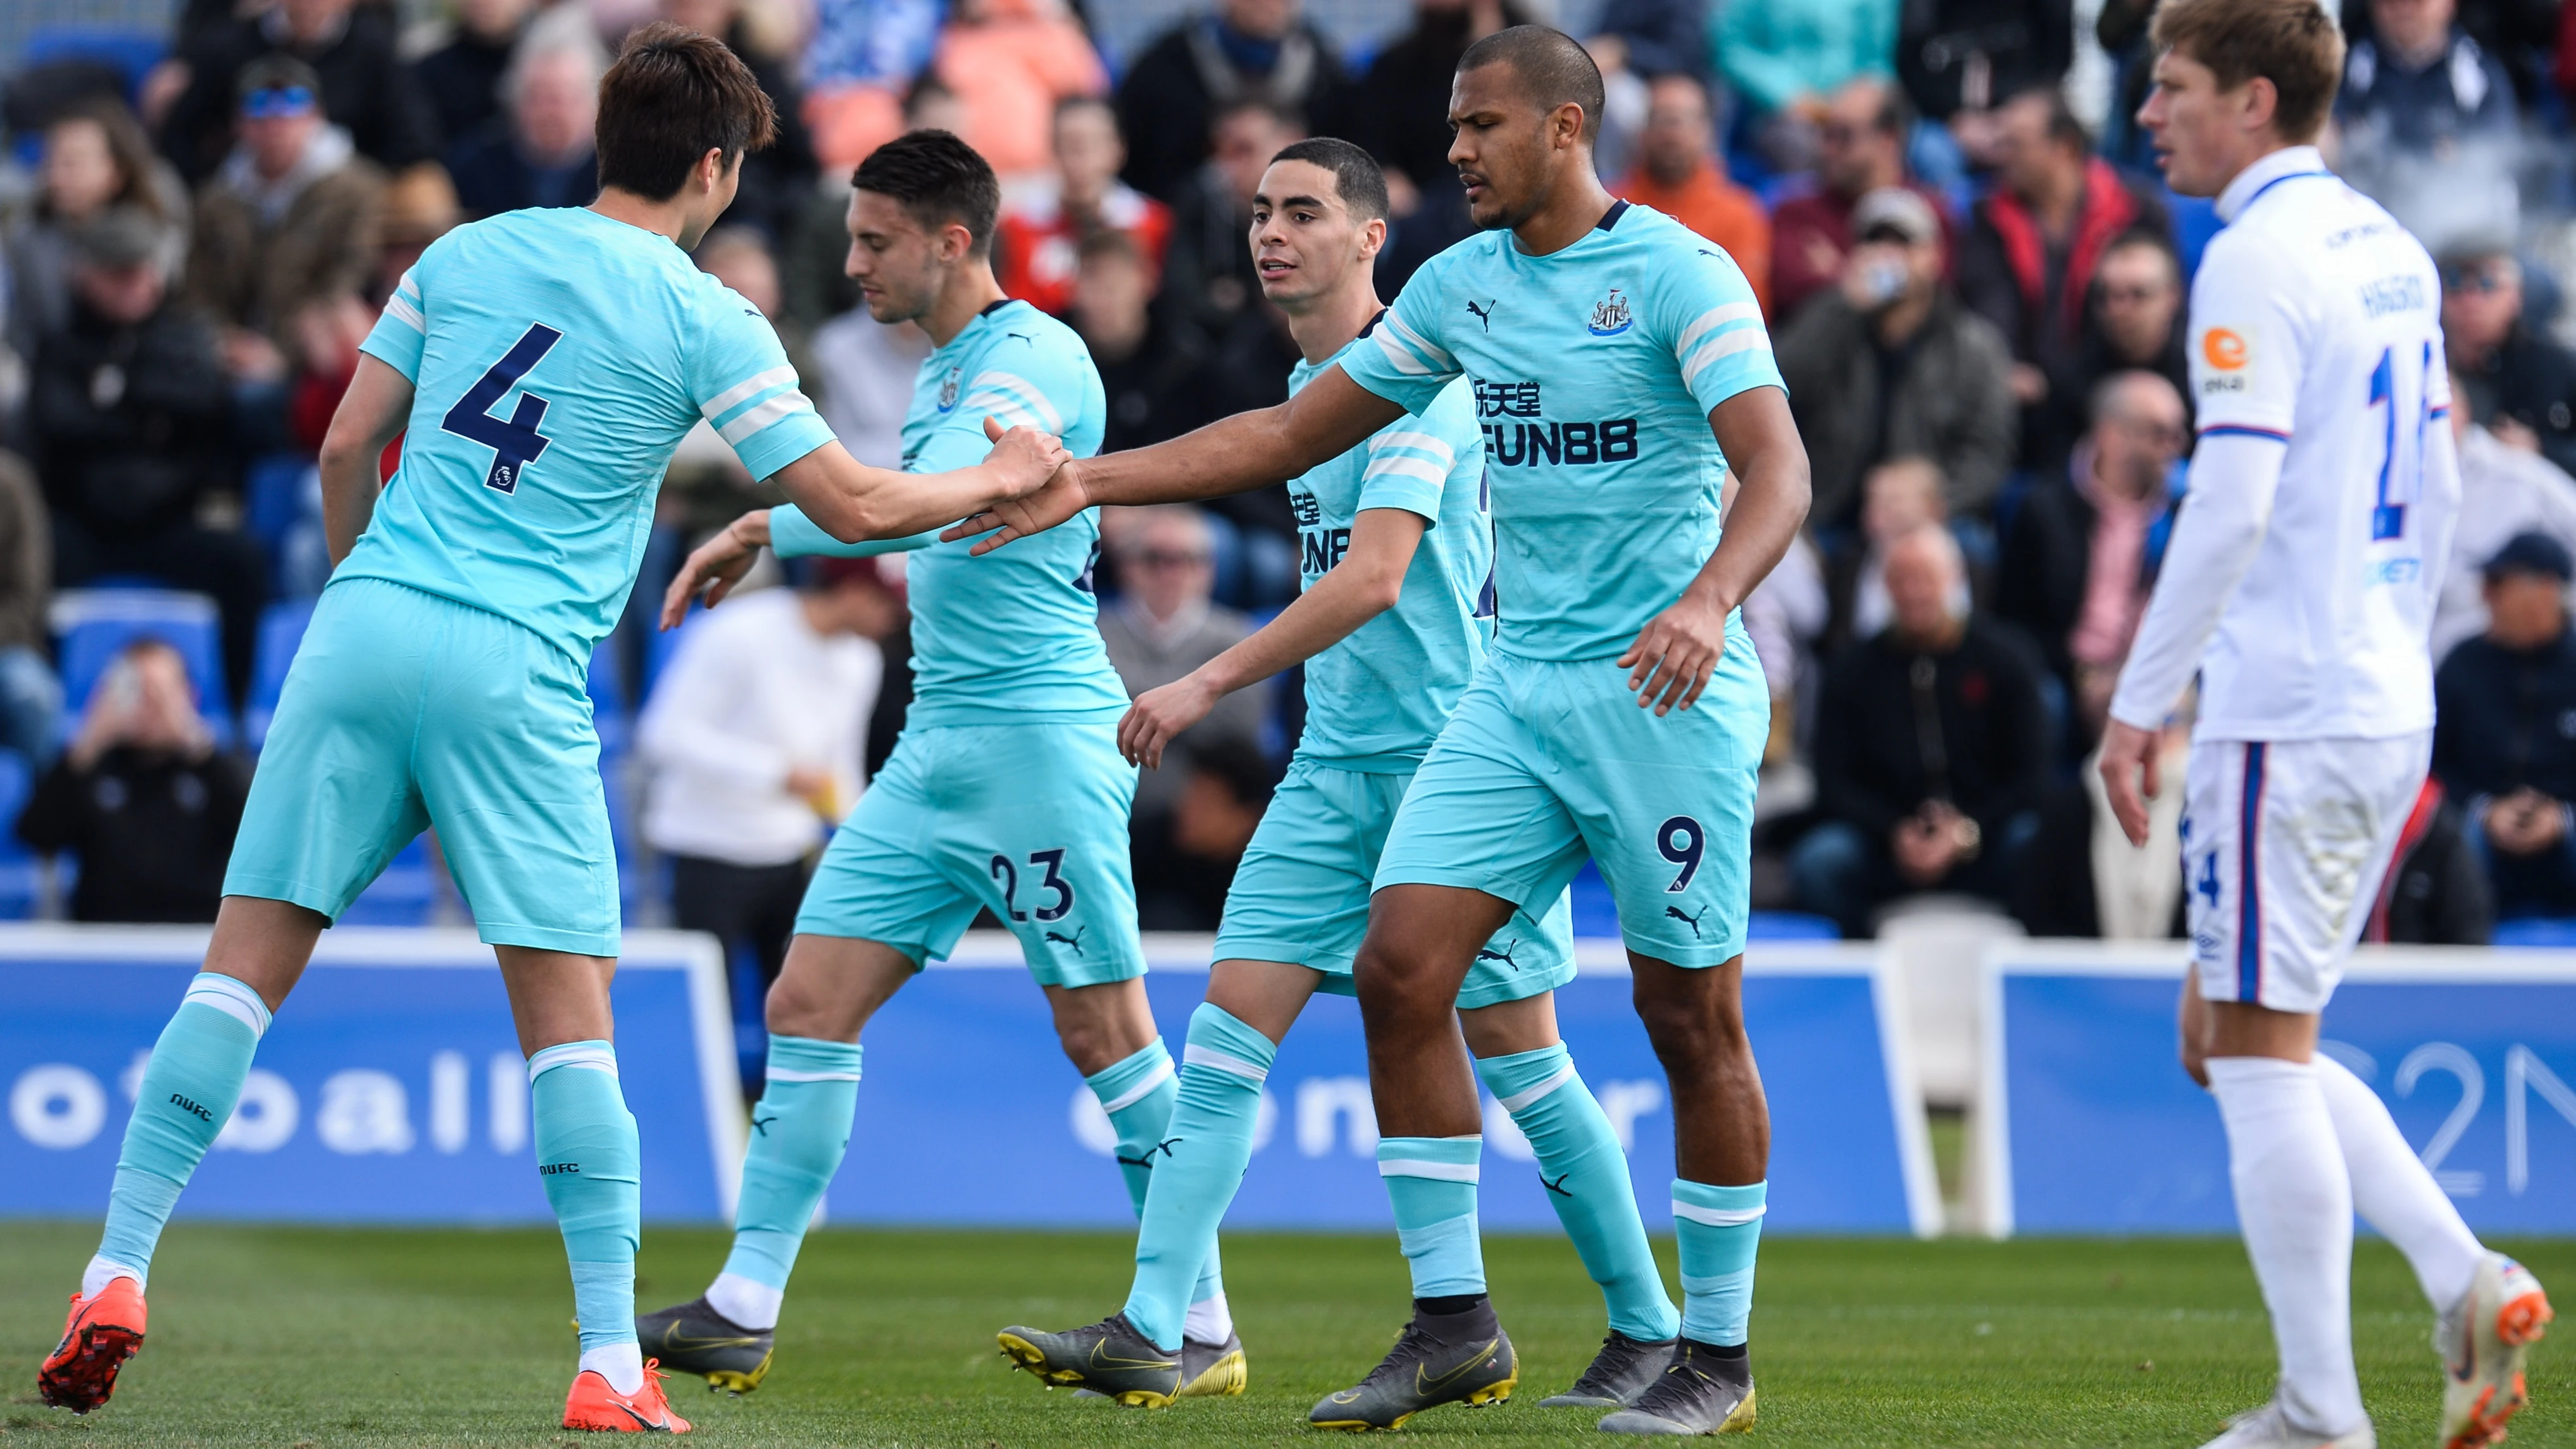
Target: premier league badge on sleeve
(1611,318)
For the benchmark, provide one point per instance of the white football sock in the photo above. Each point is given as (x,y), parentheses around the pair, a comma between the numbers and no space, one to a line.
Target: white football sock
(622,1364)
(2395,1193)
(102,1272)
(2294,1201)
(750,1305)
(1209,1320)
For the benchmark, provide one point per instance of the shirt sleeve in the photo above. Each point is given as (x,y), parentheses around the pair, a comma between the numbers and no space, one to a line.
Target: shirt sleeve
(2245,345)
(402,330)
(1714,323)
(1402,359)
(740,379)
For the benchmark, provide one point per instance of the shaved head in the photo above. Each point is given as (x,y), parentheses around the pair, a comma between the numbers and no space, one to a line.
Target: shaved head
(1552,67)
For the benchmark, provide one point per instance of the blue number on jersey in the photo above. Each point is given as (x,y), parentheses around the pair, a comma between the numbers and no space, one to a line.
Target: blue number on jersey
(516,443)
(2399,483)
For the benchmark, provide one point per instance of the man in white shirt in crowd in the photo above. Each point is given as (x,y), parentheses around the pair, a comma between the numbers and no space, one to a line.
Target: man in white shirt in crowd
(756,736)
(2300,583)
(2505,489)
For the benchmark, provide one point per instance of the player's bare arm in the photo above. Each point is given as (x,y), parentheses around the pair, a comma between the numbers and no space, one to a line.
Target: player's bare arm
(1331,416)
(854,503)
(1366,583)
(371,415)
(1679,648)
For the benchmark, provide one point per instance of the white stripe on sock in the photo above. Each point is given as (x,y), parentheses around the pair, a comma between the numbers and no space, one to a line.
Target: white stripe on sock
(1419,1167)
(791,1074)
(573,1054)
(1194,1055)
(1715,1217)
(1161,1073)
(232,997)
(1517,1100)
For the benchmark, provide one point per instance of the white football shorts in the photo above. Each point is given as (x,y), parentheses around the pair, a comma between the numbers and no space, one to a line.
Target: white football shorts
(2283,848)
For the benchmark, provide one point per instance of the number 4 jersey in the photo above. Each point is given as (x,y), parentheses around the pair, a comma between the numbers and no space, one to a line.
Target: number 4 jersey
(558,358)
(2315,330)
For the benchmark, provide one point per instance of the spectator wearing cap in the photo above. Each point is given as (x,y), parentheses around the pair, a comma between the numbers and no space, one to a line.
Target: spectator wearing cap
(2027,264)
(142,796)
(1260,51)
(1677,174)
(2521,383)
(349,52)
(2428,121)
(461,80)
(1889,365)
(294,214)
(755,737)
(1931,750)
(1860,148)
(539,152)
(2504,733)
(96,158)
(2504,491)
(1043,229)
(129,425)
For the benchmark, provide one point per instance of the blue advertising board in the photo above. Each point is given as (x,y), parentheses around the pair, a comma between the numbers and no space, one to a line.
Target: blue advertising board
(963,1069)
(389,1089)
(2094,1128)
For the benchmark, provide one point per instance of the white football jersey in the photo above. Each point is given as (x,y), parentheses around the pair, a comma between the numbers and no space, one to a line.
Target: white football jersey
(2315,323)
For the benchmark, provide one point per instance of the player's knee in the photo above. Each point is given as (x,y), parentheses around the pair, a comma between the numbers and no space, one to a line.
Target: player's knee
(1394,989)
(1693,1032)
(793,1009)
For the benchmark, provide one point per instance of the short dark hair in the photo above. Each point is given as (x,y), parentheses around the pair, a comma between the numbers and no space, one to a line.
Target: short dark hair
(1554,68)
(2062,126)
(1285,117)
(673,96)
(2294,44)
(1111,244)
(1355,172)
(939,179)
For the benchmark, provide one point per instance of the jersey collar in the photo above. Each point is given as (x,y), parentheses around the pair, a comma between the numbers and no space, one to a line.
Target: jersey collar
(2283,165)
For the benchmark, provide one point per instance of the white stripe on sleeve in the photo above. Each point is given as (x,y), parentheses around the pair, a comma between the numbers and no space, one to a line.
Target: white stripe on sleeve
(1029,394)
(745,390)
(753,419)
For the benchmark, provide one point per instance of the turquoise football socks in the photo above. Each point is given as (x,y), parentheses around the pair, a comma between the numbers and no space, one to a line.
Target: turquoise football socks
(1222,1069)
(799,1130)
(1138,1094)
(1586,1175)
(587,1159)
(1431,1183)
(189,1086)
(1718,1230)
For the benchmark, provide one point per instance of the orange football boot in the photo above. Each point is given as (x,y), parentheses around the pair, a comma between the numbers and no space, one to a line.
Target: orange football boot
(592,1404)
(100,1334)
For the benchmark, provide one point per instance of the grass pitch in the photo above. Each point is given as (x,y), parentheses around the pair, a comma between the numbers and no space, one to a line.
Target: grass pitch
(306,1338)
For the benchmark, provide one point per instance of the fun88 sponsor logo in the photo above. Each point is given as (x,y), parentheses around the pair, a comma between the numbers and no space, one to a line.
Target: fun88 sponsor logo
(1511,442)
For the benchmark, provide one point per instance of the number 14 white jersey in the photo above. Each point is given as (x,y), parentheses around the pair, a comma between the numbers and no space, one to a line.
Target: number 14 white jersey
(2315,324)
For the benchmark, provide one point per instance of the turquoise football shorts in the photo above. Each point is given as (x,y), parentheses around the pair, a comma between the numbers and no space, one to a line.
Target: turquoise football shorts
(1027,820)
(1302,893)
(1546,762)
(405,710)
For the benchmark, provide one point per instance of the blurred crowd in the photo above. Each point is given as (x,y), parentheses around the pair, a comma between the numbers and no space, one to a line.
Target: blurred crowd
(1975,281)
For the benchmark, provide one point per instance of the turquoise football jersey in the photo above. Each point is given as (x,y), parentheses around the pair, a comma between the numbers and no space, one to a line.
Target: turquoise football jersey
(1013,635)
(1379,697)
(558,358)
(1593,370)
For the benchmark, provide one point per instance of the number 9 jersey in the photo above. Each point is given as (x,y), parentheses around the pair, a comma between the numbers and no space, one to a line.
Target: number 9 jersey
(2316,327)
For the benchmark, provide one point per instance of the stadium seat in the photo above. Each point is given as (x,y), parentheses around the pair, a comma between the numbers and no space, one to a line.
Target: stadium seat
(281,630)
(2540,931)
(130,53)
(19,871)
(92,625)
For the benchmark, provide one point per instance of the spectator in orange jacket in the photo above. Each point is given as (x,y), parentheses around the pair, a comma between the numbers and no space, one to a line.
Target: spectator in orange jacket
(1009,62)
(1677,175)
(1042,232)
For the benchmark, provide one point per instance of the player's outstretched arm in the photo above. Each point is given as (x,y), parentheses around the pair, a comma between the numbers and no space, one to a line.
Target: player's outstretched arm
(371,414)
(1679,648)
(1329,417)
(1365,584)
(853,502)
(2234,477)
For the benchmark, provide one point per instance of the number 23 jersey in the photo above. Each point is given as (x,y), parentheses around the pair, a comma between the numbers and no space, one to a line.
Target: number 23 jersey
(558,357)
(2315,324)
